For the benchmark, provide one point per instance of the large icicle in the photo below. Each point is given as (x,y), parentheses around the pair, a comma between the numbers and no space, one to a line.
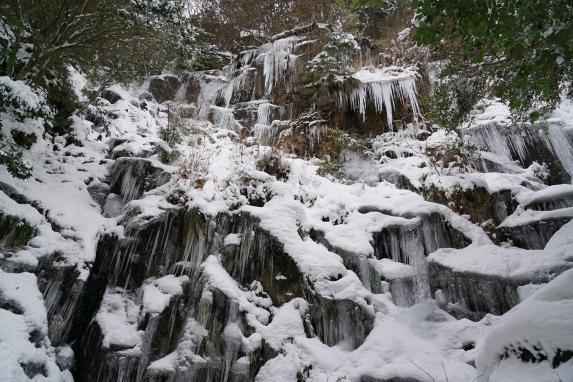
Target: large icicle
(561,144)
(277,56)
(383,87)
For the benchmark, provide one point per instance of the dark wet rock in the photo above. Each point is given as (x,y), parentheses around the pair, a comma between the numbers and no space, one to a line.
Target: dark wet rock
(111,95)
(99,192)
(164,88)
(339,321)
(12,193)
(430,233)
(551,203)
(131,177)
(476,202)
(261,257)
(526,144)
(474,295)
(176,241)
(93,363)
(397,179)
(534,235)
(63,291)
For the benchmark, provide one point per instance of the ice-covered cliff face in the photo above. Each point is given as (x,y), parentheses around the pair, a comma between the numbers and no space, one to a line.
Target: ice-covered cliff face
(241,262)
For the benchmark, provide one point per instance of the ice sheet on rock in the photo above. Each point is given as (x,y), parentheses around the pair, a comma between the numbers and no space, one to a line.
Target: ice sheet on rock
(384,87)
(263,112)
(224,118)
(561,143)
(270,135)
(211,86)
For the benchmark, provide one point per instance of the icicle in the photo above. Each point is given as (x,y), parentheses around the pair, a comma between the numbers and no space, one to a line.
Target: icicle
(263,113)
(224,118)
(270,135)
(561,145)
(277,59)
(210,89)
(383,87)
(233,85)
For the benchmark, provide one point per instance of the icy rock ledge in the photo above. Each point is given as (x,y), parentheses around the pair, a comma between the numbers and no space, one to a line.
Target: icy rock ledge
(385,87)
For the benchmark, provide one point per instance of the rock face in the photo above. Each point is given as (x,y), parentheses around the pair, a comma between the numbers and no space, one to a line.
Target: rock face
(164,88)
(527,144)
(293,268)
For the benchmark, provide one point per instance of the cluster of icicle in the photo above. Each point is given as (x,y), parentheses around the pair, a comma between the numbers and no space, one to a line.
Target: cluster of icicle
(276,57)
(384,87)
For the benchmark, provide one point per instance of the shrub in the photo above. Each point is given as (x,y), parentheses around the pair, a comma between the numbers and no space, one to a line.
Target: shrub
(166,153)
(336,57)
(274,165)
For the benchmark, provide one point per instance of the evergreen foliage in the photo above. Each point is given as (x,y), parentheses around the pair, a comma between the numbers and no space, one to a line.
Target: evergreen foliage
(336,57)
(521,51)
(116,39)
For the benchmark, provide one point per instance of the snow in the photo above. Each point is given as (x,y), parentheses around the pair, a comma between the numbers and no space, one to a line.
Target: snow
(166,363)
(391,270)
(404,343)
(384,87)
(21,289)
(420,341)
(117,319)
(277,56)
(515,263)
(26,320)
(287,323)
(542,325)
(232,239)
(524,217)
(23,92)
(158,293)
(549,193)
(511,262)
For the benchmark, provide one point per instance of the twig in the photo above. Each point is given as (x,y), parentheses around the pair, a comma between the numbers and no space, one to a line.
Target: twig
(481,375)
(446,374)
(428,374)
